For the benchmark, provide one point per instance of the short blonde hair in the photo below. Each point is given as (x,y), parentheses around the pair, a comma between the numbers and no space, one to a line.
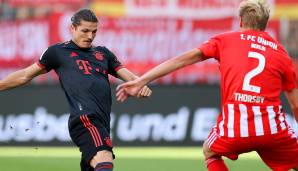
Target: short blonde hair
(254,14)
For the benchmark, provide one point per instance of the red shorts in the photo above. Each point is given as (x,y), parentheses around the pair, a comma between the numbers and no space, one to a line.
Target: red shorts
(278,151)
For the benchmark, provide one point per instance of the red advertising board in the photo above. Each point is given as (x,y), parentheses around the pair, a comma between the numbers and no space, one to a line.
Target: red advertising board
(280,2)
(140,43)
(22,42)
(44,2)
(199,9)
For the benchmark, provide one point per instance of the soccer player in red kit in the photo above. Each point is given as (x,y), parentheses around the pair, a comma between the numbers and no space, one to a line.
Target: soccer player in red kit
(255,69)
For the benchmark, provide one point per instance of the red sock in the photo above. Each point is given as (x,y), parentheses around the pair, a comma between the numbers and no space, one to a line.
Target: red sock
(216,164)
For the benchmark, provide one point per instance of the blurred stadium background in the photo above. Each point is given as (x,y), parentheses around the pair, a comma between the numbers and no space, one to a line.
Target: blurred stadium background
(162,133)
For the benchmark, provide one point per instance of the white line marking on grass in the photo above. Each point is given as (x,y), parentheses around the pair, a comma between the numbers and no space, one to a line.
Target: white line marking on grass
(194,153)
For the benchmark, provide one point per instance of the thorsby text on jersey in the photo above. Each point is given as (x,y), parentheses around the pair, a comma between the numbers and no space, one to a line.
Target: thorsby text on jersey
(259,43)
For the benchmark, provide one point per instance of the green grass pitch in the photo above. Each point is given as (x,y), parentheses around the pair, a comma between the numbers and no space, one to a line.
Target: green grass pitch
(127,159)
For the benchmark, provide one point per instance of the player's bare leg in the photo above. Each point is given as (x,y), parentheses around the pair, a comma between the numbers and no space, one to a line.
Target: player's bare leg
(212,160)
(102,161)
(296,168)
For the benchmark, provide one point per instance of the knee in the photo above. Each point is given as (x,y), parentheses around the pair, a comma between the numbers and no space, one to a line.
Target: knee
(101,156)
(207,151)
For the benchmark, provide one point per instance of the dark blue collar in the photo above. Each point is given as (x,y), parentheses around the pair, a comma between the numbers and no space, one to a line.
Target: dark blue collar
(71,45)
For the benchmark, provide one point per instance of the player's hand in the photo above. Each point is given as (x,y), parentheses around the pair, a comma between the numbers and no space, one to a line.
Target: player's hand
(144,92)
(131,88)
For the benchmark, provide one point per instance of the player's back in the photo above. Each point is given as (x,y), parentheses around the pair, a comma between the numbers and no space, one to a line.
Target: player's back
(254,70)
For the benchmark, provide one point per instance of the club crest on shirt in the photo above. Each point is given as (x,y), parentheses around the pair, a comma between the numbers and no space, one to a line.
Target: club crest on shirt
(108,141)
(74,54)
(98,56)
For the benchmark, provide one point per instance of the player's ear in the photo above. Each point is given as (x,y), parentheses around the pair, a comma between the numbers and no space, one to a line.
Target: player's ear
(72,28)
(241,23)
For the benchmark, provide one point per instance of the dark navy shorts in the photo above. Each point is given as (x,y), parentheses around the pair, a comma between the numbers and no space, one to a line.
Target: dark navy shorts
(87,132)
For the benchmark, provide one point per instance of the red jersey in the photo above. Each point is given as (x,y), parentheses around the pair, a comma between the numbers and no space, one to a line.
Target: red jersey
(254,68)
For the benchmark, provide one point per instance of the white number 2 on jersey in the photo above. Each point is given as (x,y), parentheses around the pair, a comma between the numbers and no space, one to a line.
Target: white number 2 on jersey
(246,83)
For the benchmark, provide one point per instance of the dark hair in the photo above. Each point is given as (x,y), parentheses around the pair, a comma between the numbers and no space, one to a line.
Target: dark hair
(85,15)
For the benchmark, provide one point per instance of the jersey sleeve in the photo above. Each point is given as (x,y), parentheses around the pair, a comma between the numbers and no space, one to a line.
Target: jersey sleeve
(48,59)
(289,81)
(210,48)
(113,63)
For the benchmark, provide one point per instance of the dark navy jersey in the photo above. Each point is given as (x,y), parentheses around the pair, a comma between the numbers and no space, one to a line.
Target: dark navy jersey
(83,74)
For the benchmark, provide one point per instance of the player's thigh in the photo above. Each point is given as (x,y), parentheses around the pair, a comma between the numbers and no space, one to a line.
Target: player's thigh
(207,151)
(92,139)
(282,155)
(216,145)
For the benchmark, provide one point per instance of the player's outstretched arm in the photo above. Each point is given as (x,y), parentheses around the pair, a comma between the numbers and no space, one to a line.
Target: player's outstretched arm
(292,97)
(132,88)
(21,77)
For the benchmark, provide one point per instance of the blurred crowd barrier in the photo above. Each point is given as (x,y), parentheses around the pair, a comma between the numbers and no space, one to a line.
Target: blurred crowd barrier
(176,115)
(142,33)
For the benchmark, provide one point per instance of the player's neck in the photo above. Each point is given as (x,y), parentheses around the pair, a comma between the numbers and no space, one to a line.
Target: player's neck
(247,28)
(77,45)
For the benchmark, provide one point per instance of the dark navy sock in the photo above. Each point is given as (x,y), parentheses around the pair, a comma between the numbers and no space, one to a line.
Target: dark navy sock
(104,166)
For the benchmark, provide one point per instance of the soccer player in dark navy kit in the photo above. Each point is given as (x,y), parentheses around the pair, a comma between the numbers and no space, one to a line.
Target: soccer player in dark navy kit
(83,74)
